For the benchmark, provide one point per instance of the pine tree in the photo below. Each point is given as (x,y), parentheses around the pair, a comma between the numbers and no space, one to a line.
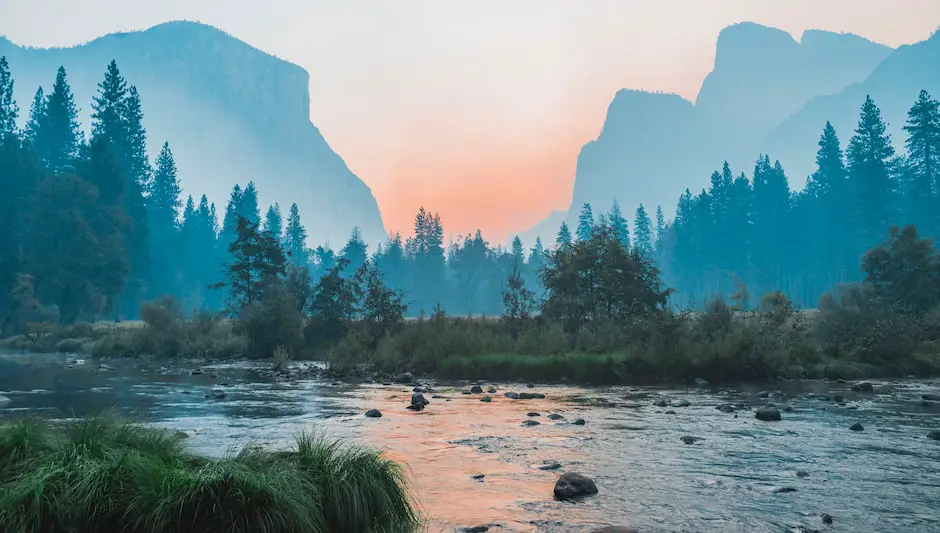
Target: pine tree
(564,236)
(618,224)
(135,151)
(248,207)
(107,109)
(868,157)
(660,230)
(585,223)
(164,221)
(230,222)
(58,136)
(257,258)
(923,162)
(356,251)
(274,222)
(643,233)
(829,204)
(518,252)
(37,112)
(9,111)
(295,238)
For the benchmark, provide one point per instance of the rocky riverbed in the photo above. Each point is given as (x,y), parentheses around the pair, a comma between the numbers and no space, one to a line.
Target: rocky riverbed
(842,456)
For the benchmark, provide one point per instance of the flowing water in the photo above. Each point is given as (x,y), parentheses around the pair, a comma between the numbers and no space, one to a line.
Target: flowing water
(743,476)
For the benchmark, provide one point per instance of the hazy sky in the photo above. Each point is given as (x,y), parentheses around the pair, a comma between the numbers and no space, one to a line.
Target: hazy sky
(476,109)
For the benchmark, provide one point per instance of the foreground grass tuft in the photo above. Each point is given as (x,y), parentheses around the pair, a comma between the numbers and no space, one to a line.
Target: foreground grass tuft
(103,474)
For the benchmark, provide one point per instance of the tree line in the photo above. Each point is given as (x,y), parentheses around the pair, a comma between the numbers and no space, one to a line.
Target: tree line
(92,228)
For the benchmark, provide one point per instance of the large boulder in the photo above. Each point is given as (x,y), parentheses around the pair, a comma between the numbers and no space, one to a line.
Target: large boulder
(418,401)
(571,486)
(767,414)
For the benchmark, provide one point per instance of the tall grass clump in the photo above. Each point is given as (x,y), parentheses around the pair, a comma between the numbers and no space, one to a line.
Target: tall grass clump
(103,474)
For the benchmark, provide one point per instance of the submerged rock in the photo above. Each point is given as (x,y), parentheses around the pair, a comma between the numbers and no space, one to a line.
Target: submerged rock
(216,395)
(531,396)
(373,413)
(491,390)
(660,403)
(688,439)
(570,486)
(486,399)
(530,423)
(934,435)
(857,427)
(555,416)
(550,466)
(476,389)
(579,422)
(474,529)
(768,414)
(863,387)
(512,395)
(533,414)
(826,518)
(725,408)
(683,403)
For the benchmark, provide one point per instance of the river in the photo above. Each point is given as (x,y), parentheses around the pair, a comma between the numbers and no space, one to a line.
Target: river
(743,476)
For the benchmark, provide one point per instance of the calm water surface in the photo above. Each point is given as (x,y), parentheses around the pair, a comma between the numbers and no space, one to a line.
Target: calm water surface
(883,479)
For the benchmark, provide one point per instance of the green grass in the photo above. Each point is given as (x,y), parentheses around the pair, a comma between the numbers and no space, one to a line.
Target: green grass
(103,474)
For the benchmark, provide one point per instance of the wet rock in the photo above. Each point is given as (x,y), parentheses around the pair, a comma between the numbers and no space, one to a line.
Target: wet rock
(863,387)
(767,414)
(615,529)
(478,477)
(683,403)
(699,382)
(437,397)
(373,413)
(533,414)
(550,466)
(826,518)
(934,435)
(660,403)
(725,408)
(418,401)
(688,439)
(784,490)
(802,474)
(930,397)
(512,395)
(857,427)
(579,422)
(474,529)
(405,378)
(763,394)
(216,394)
(419,389)
(530,423)
(486,399)
(531,396)
(555,416)
(670,412)
(476,389)
(530,386)
(491,390)
(570,486)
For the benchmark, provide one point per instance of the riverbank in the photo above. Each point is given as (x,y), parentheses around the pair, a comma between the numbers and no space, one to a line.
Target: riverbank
(719,345)
(101,474)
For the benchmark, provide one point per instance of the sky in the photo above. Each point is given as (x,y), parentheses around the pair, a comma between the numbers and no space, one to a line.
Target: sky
(476,109)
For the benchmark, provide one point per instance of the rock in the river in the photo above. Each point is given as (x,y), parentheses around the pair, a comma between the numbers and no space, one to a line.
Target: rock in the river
(826,518)
(670,412)
(530,423)
(615,529)
(476,389)
(373,413)
(474,529)
(486,399)
(478,477)
(555,416)
(491,390)
(531,396)
(767,414)
(216,394)
(857,427)
(578,422)
(683,403)
(934,435)
(802,474)
(660,403)
(533,414)
(863,387)
(570,486)
(783,490)
(530,385)
(418,401)
(550,466)
(725,408)
(512,395)
(688,439)
(930,397)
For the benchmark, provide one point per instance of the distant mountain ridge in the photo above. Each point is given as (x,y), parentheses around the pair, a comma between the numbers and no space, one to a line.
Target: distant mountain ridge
(655,145)
(231,113)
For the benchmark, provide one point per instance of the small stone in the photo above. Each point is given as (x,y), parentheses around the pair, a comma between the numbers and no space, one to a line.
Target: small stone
(683,403)
(802,474)
(555,416)
(579,422)
(863,387)
(476,389)
(530,385)
(550,466)
(486,399)
(216,395)
(934,435)
(373,413)
(857,427)
(533,414)
(491,390)
(784,490)
(725,408)
(768,414)
(478,477)
(660,403)
(531,396)
(670,412)
(826,518)
(512,395)
(688,439)
(474,529)
(530,423)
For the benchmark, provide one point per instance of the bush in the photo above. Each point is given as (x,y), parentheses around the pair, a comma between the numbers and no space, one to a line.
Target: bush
(102,474)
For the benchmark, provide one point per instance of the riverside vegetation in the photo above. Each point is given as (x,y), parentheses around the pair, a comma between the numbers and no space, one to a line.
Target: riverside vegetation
(102,474)
(94,230)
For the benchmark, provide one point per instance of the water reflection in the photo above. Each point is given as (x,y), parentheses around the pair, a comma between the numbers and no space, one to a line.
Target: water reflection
(885,478)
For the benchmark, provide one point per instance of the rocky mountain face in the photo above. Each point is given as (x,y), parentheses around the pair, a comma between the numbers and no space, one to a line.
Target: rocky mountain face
(653,146)
(231,114)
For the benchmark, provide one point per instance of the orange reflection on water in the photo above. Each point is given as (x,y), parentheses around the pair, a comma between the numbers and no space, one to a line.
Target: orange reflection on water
(441,470)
